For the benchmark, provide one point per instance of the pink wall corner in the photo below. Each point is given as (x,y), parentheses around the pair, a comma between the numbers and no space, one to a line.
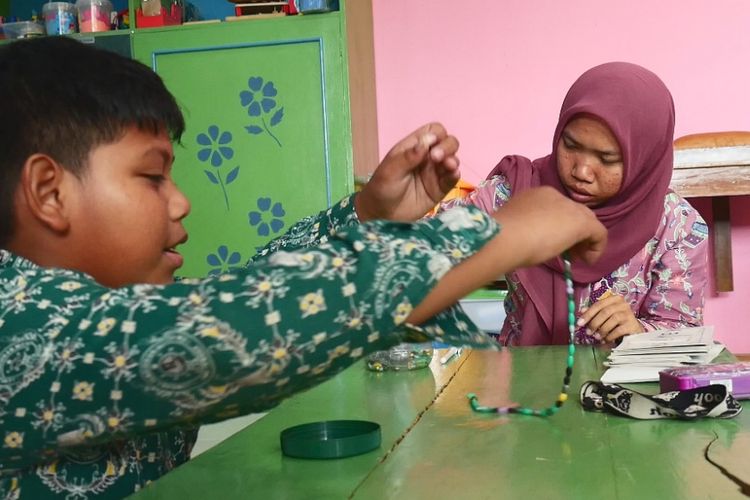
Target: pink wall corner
(495,74)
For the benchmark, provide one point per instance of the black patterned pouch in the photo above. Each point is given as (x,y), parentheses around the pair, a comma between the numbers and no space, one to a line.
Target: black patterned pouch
(713,401)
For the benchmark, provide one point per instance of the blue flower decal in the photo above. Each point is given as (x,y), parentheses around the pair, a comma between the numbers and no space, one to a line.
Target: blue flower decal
(222,261)
(216,150)
(274,224)
(260,101)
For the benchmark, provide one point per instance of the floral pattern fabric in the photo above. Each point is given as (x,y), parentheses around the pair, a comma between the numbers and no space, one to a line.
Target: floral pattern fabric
(102,390)
(664,283)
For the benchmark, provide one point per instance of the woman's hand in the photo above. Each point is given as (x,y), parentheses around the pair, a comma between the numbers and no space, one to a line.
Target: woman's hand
(536,225)
(609,318)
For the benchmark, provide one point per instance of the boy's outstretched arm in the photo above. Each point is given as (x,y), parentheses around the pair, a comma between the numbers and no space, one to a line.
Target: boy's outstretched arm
(94,365)
(536,225)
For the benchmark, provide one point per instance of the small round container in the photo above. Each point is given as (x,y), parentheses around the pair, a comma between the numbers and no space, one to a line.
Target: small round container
(94,15)
(22,29)
(59,18)
(330,439)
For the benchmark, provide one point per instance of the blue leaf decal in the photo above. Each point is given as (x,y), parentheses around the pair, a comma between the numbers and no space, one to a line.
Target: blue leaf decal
(211,177)
(213,260)
(264,204)
(277,116)
(254,129)
(233,174)
(234,258)
(214,272)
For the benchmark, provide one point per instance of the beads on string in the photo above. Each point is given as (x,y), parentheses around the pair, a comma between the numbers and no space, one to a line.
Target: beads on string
(563,396)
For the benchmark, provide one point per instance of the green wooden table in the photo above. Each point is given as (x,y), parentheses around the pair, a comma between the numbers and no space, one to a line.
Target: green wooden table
(435,447)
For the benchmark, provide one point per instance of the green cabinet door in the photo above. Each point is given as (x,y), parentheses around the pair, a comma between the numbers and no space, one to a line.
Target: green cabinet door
(268,137)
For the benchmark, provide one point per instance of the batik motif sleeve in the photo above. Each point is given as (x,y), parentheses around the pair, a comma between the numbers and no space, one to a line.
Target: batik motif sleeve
(314,229)
(82,365)
(680,273)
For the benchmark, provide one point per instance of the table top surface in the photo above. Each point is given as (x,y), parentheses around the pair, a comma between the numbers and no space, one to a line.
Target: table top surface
(434,446)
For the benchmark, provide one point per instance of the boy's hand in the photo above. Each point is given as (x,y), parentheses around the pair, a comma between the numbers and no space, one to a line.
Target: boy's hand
(539,224)
(610,318)
(412,178)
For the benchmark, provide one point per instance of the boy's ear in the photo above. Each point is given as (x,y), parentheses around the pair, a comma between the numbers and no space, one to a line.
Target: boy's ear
(42,186)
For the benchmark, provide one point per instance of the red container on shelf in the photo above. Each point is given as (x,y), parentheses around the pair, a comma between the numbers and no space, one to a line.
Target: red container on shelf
(174,16)
(250,7)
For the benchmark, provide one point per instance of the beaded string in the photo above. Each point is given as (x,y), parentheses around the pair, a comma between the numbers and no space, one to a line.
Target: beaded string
(546,412)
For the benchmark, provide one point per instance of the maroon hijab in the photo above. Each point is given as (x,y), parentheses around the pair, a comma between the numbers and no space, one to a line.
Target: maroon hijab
(638,108)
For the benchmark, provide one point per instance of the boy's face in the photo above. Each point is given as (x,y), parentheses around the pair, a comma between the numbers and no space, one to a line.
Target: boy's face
(126,215)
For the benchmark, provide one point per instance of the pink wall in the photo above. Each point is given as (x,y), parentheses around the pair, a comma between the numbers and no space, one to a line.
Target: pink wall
(495,74)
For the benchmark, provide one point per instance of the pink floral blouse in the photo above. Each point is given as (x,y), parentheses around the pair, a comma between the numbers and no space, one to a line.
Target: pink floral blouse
(664,282)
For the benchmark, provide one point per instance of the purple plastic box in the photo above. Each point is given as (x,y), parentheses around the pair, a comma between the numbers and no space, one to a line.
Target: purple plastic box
(736,376)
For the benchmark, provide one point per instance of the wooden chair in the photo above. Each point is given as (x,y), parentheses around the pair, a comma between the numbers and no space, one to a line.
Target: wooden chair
(716,165)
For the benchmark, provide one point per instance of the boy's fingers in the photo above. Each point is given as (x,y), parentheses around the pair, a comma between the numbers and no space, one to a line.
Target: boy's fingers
(446,148)
(426,135)
(452,163)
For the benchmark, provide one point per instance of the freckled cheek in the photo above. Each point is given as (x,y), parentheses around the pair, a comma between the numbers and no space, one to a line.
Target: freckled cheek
(564,165)
(611,185)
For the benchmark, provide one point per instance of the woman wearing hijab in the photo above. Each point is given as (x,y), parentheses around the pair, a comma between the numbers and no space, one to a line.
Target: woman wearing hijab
(612,151)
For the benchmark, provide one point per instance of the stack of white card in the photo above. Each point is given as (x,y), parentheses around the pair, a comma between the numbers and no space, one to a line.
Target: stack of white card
(639,358)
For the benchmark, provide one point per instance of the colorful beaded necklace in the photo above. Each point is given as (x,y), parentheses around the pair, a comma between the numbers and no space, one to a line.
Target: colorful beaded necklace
(546,412)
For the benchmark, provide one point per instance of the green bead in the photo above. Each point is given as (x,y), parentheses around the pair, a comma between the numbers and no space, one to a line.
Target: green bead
(547,412)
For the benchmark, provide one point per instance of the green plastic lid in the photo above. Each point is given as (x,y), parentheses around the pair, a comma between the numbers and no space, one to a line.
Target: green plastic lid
(330,439)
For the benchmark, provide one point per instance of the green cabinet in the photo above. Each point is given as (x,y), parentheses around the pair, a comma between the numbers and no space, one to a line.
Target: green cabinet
(271,136)
(268,136)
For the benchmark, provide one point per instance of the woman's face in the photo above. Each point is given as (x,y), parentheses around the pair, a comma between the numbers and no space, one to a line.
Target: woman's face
(589,161)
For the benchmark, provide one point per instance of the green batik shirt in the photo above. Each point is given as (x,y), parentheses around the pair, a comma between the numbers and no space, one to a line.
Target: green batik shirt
(102,390)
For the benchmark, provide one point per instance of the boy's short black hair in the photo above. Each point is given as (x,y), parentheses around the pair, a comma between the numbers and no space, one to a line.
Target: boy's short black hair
(64,98)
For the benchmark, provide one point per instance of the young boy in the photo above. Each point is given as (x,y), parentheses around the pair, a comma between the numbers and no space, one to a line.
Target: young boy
(108,367)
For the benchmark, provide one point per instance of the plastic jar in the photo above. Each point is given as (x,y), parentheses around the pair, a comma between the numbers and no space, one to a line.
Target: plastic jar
(59,18)
(94,15)
(22,29)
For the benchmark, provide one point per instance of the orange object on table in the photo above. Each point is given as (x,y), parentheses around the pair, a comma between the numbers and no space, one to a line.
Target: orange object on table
(460,190)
